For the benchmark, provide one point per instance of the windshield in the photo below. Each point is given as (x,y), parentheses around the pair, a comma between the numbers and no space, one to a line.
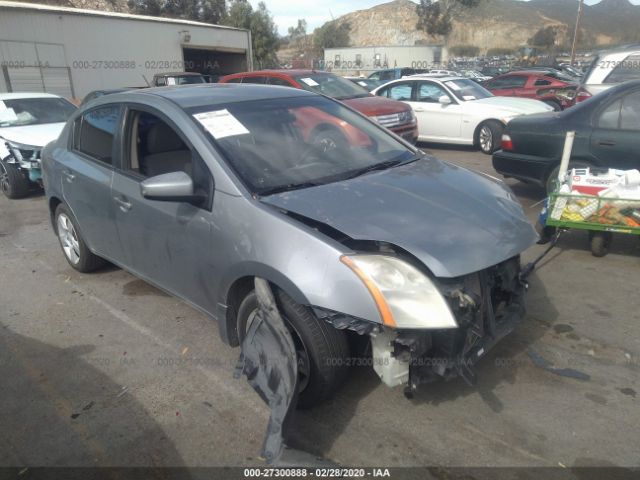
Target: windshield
(186,80)
(331,86)
(20,112)
(467,90)
(290,143)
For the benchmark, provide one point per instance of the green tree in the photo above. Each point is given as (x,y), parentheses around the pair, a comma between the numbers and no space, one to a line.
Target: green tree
(264,33)
(212,11)
(544,38)
(434,16)
(146,7)
(299,31)
(332,34)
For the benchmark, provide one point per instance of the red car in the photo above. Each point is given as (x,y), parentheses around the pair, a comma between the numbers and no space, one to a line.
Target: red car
(396,116)
(549,87)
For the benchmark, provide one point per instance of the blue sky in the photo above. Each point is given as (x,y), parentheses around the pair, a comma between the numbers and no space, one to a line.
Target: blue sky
(287,12)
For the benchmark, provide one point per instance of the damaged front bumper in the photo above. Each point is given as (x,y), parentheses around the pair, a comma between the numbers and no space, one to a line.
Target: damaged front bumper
(28,158)
(487,306)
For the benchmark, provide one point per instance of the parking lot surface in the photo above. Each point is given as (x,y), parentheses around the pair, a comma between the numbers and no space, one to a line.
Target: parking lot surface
(104,369)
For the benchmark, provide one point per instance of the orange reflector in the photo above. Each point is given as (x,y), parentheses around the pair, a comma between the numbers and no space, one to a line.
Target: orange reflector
(378,298)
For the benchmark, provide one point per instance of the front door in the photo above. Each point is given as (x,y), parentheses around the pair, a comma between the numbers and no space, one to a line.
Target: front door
(436,121)
(614,139)
(166,242)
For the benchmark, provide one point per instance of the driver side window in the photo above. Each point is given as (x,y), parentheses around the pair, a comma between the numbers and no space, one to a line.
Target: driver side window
(156,148)
(430,92)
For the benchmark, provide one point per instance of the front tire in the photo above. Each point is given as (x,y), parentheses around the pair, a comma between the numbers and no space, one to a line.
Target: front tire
(489,136)
(73,245)
(13,183)
(322,351)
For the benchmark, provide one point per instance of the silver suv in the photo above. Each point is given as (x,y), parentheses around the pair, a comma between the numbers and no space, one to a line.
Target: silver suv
(608,69)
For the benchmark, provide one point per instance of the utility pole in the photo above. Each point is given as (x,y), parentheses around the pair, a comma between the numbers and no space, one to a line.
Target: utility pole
(575,33)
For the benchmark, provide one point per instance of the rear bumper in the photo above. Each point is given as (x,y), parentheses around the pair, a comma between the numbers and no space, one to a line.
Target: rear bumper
(523,167)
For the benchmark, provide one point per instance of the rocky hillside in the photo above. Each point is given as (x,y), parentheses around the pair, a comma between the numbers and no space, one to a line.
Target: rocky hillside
(497,23)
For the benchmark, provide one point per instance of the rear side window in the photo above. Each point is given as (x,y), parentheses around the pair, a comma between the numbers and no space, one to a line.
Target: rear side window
(627,69)
(630,113)
(541,82)
(400,92)
(94,132)
(610,116)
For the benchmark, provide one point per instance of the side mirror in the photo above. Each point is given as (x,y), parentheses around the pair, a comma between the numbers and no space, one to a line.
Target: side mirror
(444,100)
(170,187)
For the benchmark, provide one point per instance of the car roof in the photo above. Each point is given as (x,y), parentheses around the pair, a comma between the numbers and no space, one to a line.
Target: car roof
(288,72)
(16,95)
(187,96)
(434,76)
(178,74)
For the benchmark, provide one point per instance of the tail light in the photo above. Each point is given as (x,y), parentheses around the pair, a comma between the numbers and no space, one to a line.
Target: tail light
(582,94)
(507,144)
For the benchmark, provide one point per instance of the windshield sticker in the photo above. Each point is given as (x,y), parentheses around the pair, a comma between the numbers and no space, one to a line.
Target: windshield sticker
(362,84)
(7,115)
(468,97)
(171,81)
(453,86)
(310,81)
(221,124)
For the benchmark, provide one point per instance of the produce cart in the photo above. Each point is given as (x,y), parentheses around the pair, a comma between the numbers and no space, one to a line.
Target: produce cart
(600,216)
(602,202)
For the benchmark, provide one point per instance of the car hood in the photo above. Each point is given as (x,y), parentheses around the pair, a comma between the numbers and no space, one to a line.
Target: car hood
(513,105)
(453,220)
(32,135)
(373,106)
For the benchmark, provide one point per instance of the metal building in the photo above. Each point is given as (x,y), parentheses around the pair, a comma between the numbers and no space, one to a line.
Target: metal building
(365,60)
(71,52)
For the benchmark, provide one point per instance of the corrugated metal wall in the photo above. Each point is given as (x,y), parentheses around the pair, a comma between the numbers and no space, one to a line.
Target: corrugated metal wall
(74,54)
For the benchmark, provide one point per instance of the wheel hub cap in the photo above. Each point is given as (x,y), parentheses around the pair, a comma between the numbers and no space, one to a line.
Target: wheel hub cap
(68,238)
(486,139)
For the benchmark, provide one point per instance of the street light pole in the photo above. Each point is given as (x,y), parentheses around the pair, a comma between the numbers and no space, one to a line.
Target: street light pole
(575,33)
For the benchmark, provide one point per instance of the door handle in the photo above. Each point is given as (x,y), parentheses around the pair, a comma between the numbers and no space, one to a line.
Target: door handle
(123,204)
(69,176)
(607,143)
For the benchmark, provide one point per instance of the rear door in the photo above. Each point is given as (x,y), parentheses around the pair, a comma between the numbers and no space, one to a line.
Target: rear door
(167,243)
(614,140)
(87,174)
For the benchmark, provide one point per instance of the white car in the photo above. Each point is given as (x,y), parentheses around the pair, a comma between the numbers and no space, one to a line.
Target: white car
(608,69)
(28,121)
(457,110)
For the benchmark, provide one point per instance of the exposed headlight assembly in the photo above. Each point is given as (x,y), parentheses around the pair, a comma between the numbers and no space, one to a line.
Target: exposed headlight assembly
(24,153)
(404,296)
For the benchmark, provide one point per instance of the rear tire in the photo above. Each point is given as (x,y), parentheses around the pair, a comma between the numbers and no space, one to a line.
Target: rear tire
(325,347)
(73,245)
(13,183)
(489,136)
(600,243)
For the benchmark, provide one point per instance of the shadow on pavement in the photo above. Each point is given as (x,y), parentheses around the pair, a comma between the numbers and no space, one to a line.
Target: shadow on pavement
(58,410)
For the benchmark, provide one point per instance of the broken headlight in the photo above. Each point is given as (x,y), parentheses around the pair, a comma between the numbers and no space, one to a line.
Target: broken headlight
(404,296)
(26,155)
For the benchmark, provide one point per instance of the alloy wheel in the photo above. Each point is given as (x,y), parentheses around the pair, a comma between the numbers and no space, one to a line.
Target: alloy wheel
(486,139)
(68,238)
(4,179)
